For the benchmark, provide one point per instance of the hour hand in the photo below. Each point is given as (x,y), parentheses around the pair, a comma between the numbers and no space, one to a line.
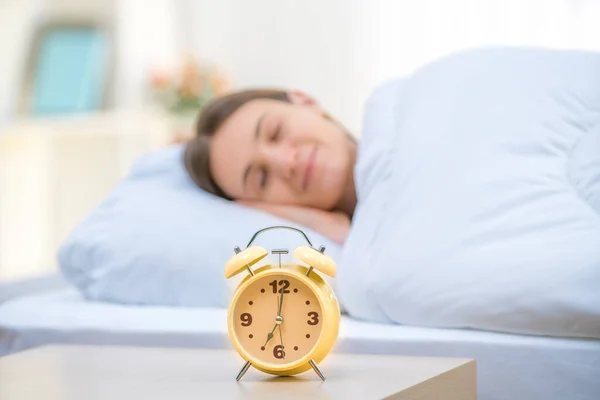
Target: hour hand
(270,335)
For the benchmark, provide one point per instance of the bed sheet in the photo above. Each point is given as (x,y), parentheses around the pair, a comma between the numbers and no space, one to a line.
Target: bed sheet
(508,366)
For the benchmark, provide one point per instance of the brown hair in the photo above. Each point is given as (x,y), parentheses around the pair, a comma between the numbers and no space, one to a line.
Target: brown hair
(216,112)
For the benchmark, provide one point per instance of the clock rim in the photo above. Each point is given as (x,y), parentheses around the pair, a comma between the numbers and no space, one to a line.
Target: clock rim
(315,284)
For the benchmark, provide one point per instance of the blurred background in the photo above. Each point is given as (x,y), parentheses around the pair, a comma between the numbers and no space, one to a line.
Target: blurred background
(87,86)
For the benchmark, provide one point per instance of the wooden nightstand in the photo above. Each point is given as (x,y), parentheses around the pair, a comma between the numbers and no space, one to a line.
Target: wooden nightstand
(77,372)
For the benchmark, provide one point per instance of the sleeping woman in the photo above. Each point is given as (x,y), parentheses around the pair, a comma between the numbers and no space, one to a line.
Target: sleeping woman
(474,193)
(280,152)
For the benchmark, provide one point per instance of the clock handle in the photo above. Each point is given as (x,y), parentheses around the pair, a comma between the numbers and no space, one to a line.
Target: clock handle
(244,259)
(279,227)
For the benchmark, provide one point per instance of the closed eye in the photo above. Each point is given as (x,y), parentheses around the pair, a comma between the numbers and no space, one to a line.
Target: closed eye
(264,177)
(276,133)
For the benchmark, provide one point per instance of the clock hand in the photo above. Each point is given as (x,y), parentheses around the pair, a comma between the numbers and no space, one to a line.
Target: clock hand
(280,303)
(281,320)
(270,335)
(281,338)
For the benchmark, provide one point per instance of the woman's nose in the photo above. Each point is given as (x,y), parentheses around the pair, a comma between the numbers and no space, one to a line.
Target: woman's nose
(283,159)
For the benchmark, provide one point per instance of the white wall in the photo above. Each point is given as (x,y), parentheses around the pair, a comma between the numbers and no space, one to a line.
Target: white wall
(338,50)
(307,45)
(400,36)
(16,20)
(149,35)
(394,38)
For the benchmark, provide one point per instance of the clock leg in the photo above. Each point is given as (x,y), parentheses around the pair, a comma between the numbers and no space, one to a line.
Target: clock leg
(243,371)
(316,368)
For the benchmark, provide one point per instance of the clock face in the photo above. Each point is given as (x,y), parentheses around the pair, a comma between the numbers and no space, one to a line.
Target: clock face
(277,319)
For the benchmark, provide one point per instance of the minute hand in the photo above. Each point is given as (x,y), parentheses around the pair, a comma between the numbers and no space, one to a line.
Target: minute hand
(280,303)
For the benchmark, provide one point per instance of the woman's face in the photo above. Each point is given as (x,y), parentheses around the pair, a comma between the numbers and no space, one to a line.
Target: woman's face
(279,152)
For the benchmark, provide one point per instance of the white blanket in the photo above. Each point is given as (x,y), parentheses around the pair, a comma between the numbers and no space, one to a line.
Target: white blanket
(479,196)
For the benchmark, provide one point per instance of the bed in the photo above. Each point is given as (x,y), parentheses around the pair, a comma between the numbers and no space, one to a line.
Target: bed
(509,366)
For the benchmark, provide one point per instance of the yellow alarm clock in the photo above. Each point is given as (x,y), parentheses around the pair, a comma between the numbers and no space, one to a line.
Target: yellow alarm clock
(283,319)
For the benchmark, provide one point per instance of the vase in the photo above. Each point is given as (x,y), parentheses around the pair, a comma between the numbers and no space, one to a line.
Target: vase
(182,126)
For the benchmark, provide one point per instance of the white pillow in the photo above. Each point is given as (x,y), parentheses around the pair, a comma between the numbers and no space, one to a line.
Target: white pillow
(479,196)
(158,239)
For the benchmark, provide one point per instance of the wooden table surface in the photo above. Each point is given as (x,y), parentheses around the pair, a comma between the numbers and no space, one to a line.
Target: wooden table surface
(99,372)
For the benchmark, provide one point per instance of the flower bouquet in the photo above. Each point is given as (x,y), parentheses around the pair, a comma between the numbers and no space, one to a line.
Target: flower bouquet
(184,92)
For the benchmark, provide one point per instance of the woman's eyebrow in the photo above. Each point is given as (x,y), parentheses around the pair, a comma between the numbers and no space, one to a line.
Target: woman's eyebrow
(258,125)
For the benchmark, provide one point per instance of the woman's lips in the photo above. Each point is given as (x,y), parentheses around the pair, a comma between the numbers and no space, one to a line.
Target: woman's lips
(310,165)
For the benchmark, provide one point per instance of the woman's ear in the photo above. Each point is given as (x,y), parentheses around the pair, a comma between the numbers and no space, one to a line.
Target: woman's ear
(300,98)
